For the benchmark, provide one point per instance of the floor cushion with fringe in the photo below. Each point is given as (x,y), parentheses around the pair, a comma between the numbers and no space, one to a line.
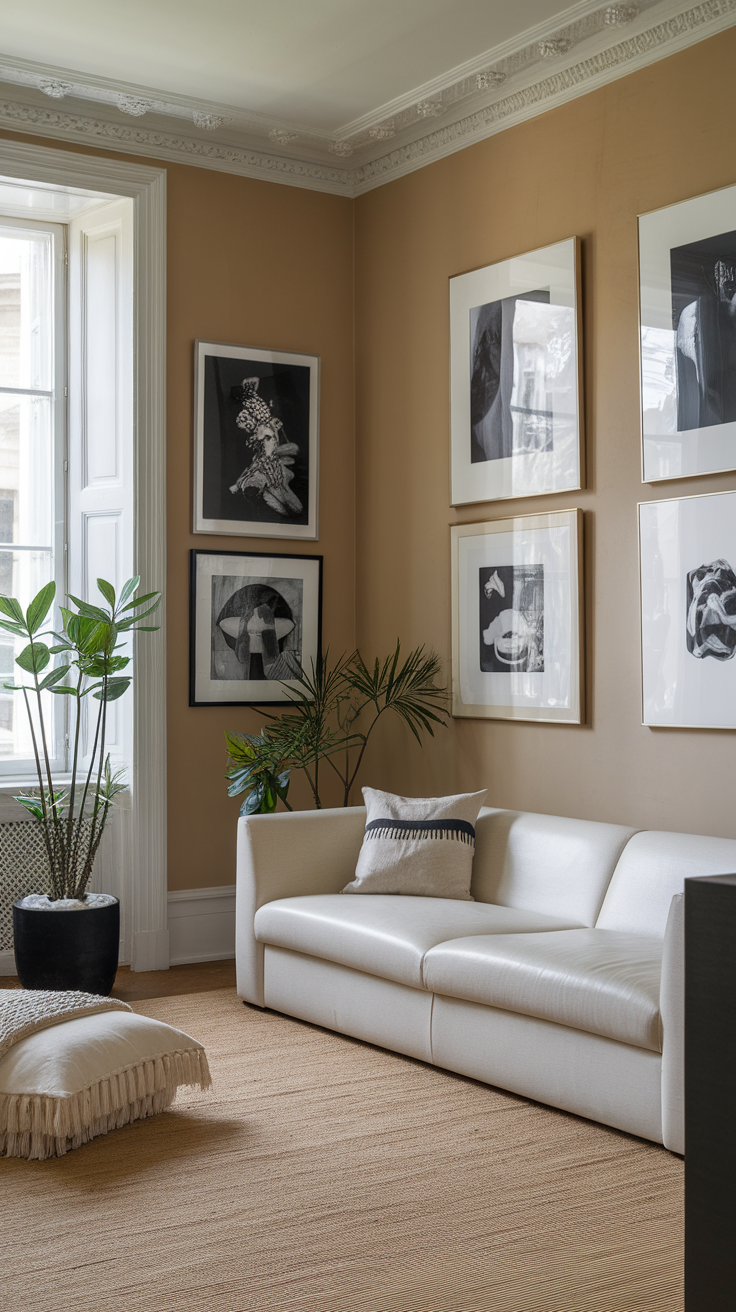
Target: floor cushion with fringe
(64,1085)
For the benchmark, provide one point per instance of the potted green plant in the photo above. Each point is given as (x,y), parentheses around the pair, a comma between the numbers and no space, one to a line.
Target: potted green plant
(335,710)
(77,949)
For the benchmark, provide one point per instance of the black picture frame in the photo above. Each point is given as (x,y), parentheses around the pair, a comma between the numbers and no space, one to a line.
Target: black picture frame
(256,442)
(253,617)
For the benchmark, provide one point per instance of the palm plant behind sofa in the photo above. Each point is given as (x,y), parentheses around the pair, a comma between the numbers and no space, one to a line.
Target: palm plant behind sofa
(335,709)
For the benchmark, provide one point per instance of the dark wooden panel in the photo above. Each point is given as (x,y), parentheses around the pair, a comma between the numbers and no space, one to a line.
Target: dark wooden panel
(710,1094)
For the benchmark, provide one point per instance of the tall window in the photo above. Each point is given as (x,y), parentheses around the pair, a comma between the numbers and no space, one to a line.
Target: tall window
(32,449)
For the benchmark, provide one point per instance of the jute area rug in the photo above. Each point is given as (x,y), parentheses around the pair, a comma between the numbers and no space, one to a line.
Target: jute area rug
(323,1175)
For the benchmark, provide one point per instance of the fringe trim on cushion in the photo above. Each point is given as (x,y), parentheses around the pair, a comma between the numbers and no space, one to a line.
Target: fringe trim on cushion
(37,1126)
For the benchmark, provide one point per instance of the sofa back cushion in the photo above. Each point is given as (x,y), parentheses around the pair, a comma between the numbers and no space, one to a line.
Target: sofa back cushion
(652,869)
(545,863)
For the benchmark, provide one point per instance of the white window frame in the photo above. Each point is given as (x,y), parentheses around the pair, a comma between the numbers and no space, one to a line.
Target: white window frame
(140,859)
(17,770)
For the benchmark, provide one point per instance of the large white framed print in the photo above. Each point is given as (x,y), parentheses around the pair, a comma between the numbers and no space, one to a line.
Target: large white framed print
(517,646)
(515,377)
(687,553)
(256,441)
(687,306)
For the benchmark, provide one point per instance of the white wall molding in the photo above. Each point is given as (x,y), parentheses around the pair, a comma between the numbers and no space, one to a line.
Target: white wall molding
(137,840)
(585,47)
(202,924)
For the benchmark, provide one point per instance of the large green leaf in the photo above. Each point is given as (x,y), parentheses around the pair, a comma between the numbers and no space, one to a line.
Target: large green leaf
(115,689)
(40,607)
(34,658)
(9,626)
(96,640)
(128,589)
(107,591)
(10,607)
(140,601)
(54,676)
(91,612)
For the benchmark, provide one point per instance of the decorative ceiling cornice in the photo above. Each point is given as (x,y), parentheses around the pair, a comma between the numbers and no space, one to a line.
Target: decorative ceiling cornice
(552,64)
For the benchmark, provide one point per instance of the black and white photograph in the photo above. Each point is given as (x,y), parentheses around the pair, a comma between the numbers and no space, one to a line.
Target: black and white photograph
(517,618)
(511,617)
(255,442)
(254,625)
(688,620)
(515,378)
(687,258)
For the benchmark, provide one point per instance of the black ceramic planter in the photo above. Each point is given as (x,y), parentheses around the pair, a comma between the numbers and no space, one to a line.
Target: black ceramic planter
(67,949)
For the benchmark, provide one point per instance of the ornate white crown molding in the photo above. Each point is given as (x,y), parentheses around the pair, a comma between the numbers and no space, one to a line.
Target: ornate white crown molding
(596,44)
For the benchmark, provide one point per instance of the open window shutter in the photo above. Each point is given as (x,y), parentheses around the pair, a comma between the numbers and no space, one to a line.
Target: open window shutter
(101,439)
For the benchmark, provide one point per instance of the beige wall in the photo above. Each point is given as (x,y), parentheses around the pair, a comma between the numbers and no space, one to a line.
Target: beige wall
(586,169)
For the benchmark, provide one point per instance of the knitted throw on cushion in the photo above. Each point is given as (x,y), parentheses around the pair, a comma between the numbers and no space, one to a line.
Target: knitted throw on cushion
(36,1123)
(24,1011)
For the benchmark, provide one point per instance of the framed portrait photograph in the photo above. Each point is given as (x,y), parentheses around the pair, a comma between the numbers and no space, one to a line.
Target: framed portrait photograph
(254,621)
(256,441)
(516,378)
(517,647)
(687,298)
(687,551)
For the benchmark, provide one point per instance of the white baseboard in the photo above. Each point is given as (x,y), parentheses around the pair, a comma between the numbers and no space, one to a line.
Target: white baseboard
(201,928)
(201,924)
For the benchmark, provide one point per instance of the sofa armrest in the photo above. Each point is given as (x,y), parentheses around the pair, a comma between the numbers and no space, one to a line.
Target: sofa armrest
(672,1011)
(288,855)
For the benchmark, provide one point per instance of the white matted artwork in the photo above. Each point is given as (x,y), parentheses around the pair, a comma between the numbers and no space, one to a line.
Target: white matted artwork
(515,377)
(254,625)
(687,552)
(687,297)
(517,618)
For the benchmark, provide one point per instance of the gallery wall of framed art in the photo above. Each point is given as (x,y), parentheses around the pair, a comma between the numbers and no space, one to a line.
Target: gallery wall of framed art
(256,442)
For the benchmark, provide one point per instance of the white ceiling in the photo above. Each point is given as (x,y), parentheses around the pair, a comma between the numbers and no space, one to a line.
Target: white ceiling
(317,64)
(334,95)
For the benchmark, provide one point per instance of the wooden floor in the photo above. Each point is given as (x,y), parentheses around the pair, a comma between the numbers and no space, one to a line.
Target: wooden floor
(136,986)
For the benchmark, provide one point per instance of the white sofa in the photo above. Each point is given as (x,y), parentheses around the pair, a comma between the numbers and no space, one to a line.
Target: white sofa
(562,981)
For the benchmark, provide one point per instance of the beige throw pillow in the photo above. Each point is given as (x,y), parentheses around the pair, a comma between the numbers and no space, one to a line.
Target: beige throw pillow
(418,846)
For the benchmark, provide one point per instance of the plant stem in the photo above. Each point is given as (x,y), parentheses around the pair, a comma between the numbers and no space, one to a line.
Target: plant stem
(74,846)
(42,792)
(58,839)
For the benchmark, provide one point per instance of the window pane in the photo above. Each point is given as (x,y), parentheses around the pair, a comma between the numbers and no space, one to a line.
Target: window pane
(26,310)
(22,575)
(26,470)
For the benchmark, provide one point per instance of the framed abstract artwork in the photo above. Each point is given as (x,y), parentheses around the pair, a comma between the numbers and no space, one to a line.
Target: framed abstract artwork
(256,441)
(687,549)
(515,377)
(254,621)
(517,645)
(687,298)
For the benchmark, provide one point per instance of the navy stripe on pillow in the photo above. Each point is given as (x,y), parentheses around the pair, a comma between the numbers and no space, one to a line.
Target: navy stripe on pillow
(454,830)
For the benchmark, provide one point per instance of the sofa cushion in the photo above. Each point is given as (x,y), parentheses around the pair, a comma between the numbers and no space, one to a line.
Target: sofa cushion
(417,846)
(652,869)
(545,863)
(595,980)
(385,935)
